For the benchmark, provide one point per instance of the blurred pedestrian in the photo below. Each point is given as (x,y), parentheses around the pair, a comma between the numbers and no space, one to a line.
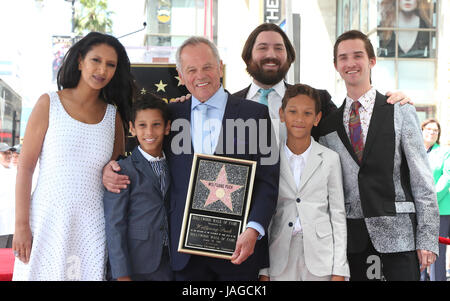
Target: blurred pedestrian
(15,155)
(439,159)
(5,155)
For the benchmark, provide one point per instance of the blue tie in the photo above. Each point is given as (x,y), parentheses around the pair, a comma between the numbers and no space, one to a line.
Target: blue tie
(202,137)
(263,95)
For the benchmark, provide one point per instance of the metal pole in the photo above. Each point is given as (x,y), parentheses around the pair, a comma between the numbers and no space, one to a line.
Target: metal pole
(73,16)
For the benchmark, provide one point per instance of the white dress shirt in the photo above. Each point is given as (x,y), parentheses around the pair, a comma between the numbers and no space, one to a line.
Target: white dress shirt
(212,127)
(149,157)
(367,102)
(274,100)
(297,164)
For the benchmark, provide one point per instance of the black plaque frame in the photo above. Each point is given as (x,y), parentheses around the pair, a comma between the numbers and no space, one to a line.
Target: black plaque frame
(214,232)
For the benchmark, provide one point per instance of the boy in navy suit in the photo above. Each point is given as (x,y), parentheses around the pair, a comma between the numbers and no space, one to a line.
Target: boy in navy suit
(136,218)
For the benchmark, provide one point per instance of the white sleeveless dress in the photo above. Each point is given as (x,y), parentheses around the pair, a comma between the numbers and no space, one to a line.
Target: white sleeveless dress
(66,215)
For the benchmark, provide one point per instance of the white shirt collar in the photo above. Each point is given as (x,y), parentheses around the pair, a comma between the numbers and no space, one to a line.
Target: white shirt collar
(149,157)
(290,155)
(215,101)
(367,100)
(280,88)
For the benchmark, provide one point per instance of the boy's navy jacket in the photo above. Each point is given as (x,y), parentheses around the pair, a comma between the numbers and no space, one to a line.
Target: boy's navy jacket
(136,219)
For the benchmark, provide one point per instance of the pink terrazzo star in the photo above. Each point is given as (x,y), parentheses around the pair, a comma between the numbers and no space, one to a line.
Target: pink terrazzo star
(220,189)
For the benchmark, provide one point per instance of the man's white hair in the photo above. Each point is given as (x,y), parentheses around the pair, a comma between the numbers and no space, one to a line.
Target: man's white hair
(192,41)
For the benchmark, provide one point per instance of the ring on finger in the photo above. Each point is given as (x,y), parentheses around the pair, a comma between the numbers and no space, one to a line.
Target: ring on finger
(16,253)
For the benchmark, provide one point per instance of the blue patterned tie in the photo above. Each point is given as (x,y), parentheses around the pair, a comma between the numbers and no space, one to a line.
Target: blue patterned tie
(160,169)
(263,95)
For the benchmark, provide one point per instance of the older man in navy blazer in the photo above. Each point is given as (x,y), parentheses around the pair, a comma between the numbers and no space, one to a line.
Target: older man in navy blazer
(200,69)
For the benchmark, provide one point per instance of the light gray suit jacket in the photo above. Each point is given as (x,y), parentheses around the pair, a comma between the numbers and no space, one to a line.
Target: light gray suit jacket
(319,202)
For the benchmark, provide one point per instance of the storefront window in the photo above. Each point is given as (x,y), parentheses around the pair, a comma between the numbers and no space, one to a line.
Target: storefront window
(404,35)
(384,75)
(170,22)
(420,83)
(405,39)
(351,15)
(406,28)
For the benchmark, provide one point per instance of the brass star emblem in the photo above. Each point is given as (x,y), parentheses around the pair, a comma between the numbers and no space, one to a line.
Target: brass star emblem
(143,91)
(161,86)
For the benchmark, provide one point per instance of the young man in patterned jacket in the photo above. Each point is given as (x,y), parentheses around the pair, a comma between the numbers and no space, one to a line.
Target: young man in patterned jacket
(391,207)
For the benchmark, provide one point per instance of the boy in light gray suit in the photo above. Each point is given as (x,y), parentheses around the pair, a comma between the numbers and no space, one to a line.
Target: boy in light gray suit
(136,218)
(307,235)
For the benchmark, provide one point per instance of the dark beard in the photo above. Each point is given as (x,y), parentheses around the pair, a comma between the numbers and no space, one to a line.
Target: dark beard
(269,78)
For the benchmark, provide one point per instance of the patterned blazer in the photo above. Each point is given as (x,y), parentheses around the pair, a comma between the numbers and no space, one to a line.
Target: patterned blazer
(392,189)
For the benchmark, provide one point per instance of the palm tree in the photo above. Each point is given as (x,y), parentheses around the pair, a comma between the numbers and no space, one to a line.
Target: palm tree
(92,15)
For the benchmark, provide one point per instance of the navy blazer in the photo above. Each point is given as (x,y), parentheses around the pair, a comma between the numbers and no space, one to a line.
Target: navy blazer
(136,219)
(265,190)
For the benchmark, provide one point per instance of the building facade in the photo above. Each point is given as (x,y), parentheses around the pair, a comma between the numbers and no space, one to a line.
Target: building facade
(411,39)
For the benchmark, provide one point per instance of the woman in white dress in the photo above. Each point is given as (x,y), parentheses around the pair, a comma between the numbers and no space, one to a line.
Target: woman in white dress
(74,132)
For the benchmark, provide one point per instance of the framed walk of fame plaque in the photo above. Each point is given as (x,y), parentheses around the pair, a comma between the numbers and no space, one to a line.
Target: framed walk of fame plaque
(217,205)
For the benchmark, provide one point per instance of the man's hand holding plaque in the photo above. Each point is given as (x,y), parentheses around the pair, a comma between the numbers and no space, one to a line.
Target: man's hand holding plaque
(245,246)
